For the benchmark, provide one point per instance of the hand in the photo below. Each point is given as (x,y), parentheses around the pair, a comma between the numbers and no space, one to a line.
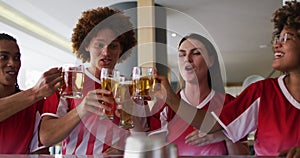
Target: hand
(291,153)
(113,151)
(48,83)
(199,138)
(93,102)
(163,89)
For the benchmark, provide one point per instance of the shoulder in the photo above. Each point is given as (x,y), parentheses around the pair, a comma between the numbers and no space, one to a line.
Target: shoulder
(263,85)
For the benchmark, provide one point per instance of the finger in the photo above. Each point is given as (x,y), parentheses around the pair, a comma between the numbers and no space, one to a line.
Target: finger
(201,134)
(95,110)
(97,107)
(119,106)
(103,91)
(105,105)
(52,79)
(118,111)
(51,71)
(297,154)
(192,139)
(93,99)
(56,82)
(195,141)
(291,153)
(191,134)
(107,100)
(100,95)
(283,153)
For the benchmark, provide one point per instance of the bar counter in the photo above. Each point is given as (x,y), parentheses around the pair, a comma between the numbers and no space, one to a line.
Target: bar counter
(119,156)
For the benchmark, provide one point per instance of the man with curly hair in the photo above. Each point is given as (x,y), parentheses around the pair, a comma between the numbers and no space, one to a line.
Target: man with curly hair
(102,37)
(271,106)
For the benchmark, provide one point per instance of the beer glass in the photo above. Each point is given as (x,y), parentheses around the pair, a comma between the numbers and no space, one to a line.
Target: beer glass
(109,82)
(122,96)
(143,83)
(73,78)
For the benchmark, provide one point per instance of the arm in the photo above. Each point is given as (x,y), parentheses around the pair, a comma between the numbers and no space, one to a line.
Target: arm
(53,130)
(199,138)
(238,148)
(47,85)
(197,117)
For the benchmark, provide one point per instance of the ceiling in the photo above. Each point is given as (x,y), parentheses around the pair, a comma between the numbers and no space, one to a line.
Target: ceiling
(241,29)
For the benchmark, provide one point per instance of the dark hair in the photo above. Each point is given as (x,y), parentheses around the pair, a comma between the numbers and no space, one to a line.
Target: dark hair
(4,36)
(214,73)
(287,16)
(100,18)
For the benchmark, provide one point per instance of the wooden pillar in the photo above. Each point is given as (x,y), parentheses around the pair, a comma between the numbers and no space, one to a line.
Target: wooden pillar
(146,33)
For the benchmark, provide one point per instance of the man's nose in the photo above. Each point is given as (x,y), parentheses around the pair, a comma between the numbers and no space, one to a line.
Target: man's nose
(104,50)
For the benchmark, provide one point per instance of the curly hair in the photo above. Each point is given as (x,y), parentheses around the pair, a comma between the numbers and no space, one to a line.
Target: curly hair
(94,20)
(287,16)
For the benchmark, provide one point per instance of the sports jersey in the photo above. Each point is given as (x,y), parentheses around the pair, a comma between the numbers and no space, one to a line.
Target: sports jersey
(92,135)
(19,133)
(178,128)
(267,107)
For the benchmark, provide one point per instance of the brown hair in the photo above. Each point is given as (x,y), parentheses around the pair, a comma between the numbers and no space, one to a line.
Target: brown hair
(94,20)
(215,81)
(287,16)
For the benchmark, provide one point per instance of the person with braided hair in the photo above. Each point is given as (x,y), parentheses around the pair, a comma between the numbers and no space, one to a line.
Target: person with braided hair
(20,109)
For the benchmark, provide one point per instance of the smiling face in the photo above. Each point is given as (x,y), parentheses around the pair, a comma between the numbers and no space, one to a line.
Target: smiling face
(10,62)
(193,61)
(104,51)
(287,55)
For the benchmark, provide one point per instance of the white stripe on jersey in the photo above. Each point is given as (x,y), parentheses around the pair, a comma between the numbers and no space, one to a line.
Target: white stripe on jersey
(71,146)
(236,130)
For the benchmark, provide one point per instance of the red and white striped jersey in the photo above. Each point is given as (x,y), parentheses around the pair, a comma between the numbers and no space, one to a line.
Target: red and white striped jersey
(92,135)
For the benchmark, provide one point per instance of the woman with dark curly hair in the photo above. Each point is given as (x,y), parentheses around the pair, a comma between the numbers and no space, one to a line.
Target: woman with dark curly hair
(271,106)
(102,37)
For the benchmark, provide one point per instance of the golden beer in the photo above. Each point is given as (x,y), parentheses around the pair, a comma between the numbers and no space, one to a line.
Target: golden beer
(126,120)
(124,93)
(143,87)
(110,85)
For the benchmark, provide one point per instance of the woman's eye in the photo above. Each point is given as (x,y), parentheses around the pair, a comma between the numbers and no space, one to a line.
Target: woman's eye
(181,55)
(197,53)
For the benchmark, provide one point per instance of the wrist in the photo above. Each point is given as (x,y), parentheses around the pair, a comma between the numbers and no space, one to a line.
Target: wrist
(80,112)
(227,139)
(33,94)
